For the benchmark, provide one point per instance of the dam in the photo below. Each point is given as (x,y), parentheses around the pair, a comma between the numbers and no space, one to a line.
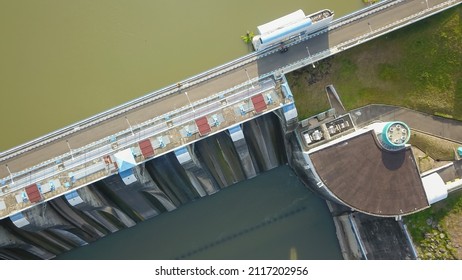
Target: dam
(217,143)
(211,152)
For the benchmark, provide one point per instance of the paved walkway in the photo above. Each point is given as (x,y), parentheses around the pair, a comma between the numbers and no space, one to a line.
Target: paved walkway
(348,34)
(335,101)
(445,128)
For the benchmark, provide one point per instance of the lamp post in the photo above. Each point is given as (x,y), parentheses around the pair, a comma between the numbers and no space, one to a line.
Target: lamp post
(311,58)
(131,129)
(190,104)
(70,150)
(11,175)
(426,1)
(248,77)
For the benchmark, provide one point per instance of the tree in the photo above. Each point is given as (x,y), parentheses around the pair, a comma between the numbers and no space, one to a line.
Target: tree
(248,37)
(370,2)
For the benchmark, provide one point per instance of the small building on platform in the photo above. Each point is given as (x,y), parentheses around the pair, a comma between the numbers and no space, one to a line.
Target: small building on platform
(259,103)
(203,126)
(33,193)
(372,170)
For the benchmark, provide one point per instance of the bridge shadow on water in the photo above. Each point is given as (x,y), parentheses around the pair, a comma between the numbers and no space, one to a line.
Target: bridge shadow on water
(241,233)
(260,218)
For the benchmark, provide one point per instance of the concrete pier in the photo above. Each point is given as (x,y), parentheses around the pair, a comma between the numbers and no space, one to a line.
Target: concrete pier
(243,151)
(200,178)
(152,190)
(93,204)
(128,199)
(11,247)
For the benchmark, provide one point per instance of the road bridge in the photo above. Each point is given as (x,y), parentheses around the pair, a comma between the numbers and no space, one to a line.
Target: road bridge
(176,115)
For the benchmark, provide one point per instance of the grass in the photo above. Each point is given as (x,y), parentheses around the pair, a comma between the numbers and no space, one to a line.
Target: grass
(436,148)
(370,1)
(430,229)
(418,67)
(424,161)
(433,229)
(309,96)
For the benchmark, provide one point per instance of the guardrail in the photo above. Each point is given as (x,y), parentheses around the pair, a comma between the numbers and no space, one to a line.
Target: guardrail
(95,150)
(364,12)
(336,24)
(125,138)
(367,36)
(124,108)
(150,97)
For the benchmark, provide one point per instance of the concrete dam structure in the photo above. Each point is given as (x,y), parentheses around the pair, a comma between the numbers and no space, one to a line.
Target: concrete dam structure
(159,185)
(73,186)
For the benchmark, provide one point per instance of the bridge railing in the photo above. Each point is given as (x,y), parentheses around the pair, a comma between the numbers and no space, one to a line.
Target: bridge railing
(364,12)
(124,108)
(123,139)
(397,24)
(367,36)
(150,97)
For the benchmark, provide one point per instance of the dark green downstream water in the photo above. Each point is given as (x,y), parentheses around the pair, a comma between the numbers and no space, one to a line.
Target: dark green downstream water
(266,217)
(63,61)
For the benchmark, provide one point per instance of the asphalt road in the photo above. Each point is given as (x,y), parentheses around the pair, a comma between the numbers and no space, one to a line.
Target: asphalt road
(261,66)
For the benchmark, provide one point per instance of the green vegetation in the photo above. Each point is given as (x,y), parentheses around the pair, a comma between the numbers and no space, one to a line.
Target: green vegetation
(247,38)
(417,67)
(424,162)
(370,1)
(436,148)
(432,229)
(443,115)
(311,101)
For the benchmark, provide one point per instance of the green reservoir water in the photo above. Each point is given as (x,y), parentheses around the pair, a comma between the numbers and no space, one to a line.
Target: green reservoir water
(63,61)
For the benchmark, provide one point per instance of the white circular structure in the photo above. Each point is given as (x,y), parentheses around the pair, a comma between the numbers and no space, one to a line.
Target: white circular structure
(395,135)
